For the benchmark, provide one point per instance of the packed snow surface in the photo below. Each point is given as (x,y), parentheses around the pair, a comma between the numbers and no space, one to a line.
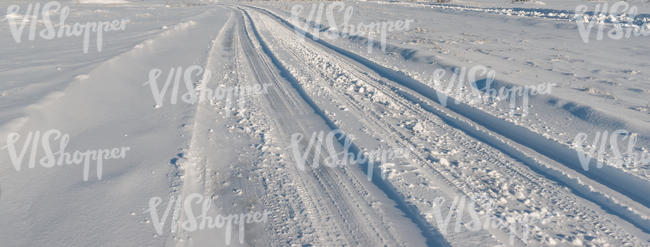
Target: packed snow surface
(333,123)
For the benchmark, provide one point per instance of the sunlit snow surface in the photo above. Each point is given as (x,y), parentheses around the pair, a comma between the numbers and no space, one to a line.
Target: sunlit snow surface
(451,168)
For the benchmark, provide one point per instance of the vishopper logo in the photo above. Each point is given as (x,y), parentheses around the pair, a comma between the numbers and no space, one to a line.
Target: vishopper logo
(51,158)
(320,141)
(482,218)
(193,222)
(194,81)
(462,85)
(621,15)
(51,30)
(603,143)
(369,30)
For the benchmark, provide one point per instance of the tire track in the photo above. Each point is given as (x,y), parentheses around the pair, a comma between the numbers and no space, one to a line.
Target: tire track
(337,197)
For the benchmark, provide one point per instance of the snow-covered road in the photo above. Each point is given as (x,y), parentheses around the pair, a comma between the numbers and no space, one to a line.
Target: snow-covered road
(245,124)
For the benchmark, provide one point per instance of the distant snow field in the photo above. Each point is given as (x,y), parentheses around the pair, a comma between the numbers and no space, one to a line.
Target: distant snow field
(103,1)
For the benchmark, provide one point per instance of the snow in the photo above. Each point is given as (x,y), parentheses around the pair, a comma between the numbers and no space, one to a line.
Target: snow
(363,123)
(103,1)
